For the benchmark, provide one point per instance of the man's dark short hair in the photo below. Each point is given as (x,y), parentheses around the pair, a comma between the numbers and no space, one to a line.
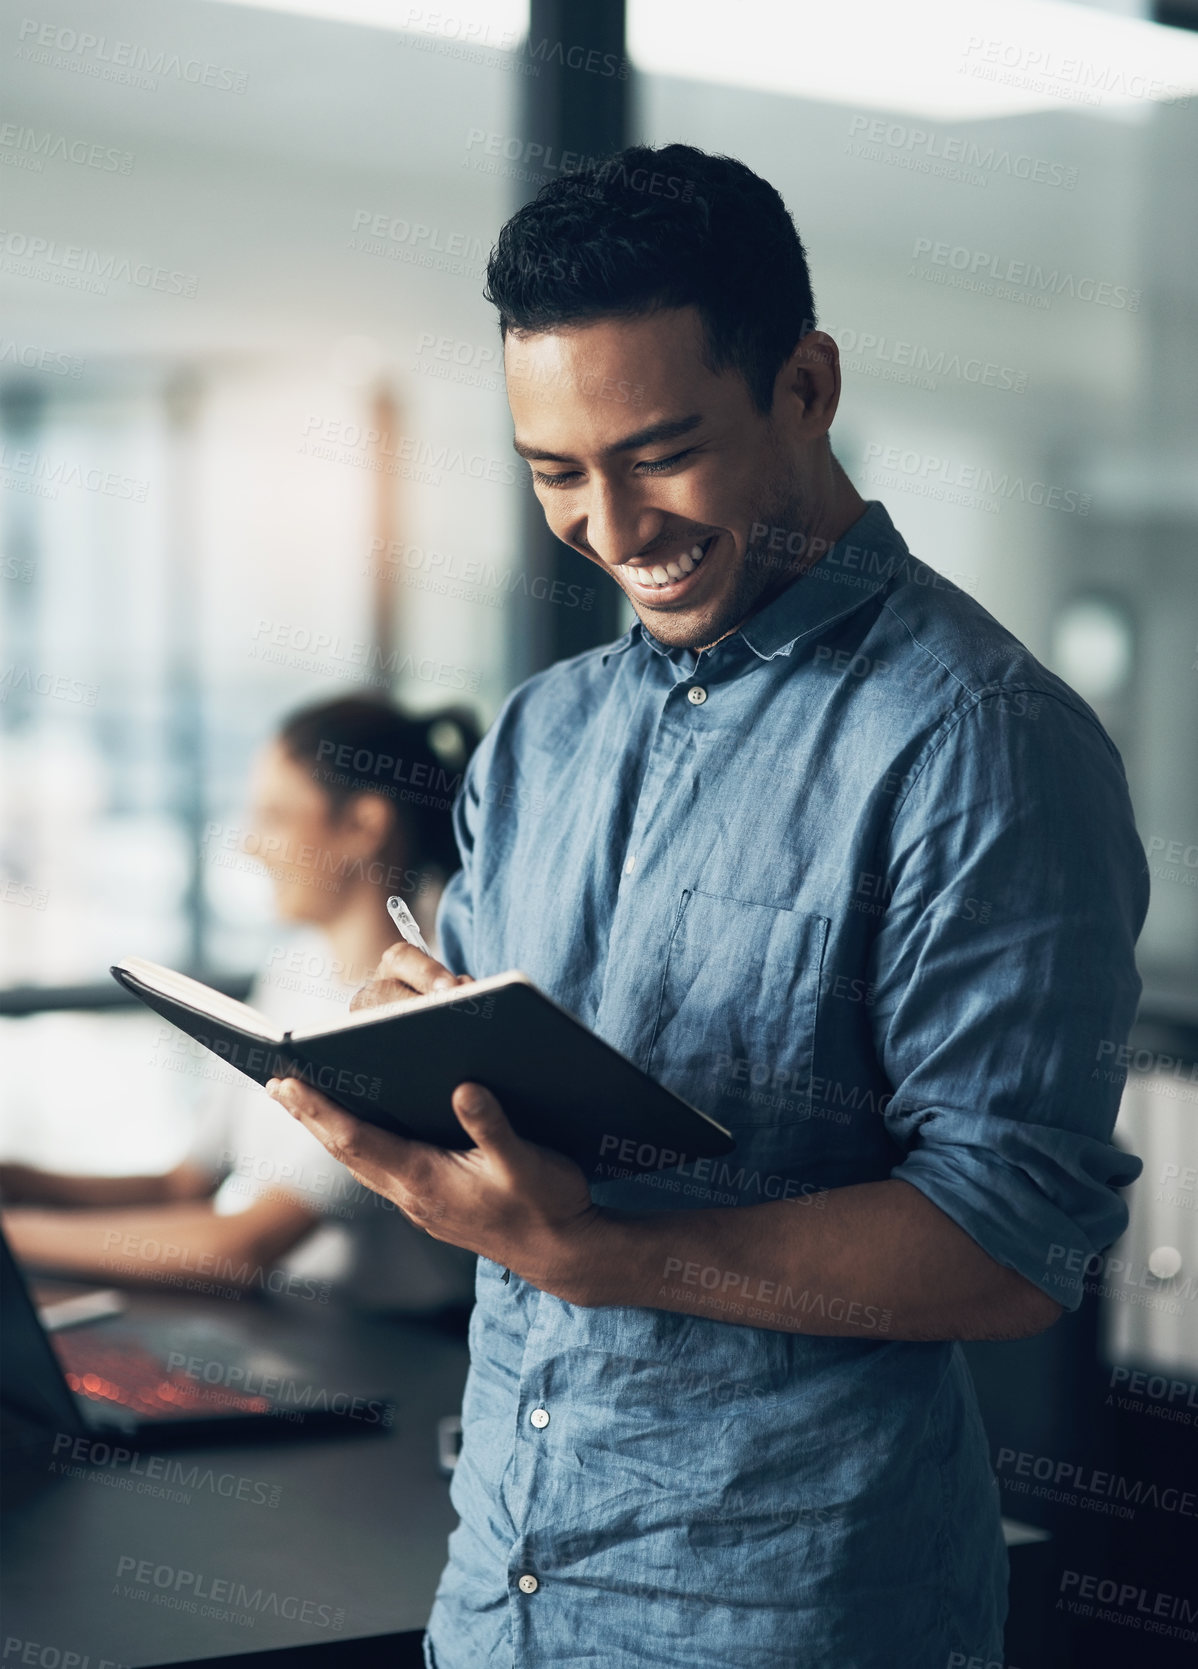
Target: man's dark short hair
(661,227)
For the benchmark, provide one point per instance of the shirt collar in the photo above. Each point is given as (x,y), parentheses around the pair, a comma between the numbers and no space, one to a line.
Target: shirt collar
(852,570)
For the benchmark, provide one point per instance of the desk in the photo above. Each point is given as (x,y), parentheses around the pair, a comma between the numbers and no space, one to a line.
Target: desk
(352,1549)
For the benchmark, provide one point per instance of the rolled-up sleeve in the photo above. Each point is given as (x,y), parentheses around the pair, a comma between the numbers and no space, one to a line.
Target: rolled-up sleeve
(1005,981)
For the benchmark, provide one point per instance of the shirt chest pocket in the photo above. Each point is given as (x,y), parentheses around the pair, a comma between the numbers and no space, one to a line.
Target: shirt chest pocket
(736,1021)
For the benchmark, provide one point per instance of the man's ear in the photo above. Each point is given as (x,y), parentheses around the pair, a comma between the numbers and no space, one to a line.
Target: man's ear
(809,383)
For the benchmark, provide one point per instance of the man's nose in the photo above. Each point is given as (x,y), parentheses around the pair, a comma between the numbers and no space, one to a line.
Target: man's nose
(617,527)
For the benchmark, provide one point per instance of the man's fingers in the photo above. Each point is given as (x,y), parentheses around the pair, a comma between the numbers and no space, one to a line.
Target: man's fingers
(361,1147)
(482,1118)
(309,1105)
(376,992)
(404,972)
(404,962)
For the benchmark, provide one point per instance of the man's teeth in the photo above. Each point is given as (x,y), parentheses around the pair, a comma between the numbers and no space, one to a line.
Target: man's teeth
(666,573)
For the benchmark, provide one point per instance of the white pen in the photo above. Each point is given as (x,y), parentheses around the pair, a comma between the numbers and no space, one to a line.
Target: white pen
(406,923)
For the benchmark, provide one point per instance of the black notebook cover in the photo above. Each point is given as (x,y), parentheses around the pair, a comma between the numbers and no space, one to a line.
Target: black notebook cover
(397,1067)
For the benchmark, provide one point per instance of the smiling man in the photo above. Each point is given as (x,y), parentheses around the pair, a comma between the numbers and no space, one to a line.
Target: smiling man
(823,848)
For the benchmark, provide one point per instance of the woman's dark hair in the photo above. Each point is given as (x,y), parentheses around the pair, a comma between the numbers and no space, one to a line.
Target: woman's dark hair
(653,228)
(359,745)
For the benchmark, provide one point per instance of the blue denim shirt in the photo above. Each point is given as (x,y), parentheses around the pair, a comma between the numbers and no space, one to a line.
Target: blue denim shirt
(862,882)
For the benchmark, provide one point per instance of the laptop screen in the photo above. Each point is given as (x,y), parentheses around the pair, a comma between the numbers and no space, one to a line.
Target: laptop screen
(32,1386)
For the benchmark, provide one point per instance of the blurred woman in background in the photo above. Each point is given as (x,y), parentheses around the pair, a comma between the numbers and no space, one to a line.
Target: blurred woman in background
(350,803)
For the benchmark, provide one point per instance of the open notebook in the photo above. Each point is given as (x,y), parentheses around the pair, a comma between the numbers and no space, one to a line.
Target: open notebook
(397,1066)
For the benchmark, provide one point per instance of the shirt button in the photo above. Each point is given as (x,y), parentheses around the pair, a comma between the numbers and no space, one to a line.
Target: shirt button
(630,866)
(696,695)
(539,1418)
(528,1584)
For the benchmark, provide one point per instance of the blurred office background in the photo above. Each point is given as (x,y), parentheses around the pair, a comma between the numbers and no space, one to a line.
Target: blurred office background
(256,451)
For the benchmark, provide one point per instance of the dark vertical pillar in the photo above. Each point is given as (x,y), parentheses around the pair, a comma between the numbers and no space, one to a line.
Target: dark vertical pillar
(21,414)
(186,748)
(385,600)
(570,108)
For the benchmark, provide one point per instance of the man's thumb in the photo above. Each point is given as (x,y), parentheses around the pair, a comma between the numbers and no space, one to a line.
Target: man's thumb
(481,1116)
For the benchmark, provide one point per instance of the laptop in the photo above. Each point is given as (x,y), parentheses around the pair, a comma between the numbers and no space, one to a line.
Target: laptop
(198,1381)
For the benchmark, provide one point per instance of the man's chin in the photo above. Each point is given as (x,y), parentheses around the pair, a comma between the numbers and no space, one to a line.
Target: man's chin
(684,628)
(697,625)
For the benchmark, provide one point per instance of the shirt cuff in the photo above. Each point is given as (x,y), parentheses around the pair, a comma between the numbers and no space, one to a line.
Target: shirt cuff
(1036,1198)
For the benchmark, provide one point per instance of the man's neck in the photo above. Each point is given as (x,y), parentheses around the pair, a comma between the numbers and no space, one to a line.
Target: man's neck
(816,541)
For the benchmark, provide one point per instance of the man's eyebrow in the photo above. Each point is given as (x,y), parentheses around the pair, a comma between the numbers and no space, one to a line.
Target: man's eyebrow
(671,429)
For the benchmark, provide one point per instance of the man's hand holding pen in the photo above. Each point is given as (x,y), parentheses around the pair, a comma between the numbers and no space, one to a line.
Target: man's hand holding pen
(404,972)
